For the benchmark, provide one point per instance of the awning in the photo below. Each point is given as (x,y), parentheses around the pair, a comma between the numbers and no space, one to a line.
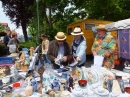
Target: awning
(122,24)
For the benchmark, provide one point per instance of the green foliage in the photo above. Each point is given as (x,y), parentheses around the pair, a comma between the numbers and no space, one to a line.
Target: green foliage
(27,44)
(112,10)
(3,50)
(1,28)
(18,12)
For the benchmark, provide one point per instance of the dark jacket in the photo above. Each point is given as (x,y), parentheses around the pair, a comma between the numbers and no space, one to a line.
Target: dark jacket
(6,40)
(53,52)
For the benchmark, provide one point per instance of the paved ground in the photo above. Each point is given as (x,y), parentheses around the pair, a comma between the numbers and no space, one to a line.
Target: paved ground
(89,60)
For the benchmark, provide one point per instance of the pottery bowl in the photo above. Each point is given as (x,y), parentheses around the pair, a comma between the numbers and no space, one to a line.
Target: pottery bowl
(6,79)
(82,83)
(127,89)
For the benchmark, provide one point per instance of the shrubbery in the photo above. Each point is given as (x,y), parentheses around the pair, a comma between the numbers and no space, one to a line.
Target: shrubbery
(27,44)
(2,50)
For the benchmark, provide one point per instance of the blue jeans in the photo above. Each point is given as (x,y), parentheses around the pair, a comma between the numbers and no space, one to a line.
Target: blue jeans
(45,59)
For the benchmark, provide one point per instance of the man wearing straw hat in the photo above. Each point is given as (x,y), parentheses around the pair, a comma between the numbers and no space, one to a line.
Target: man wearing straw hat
(79,46)
(59,47)
(104,45)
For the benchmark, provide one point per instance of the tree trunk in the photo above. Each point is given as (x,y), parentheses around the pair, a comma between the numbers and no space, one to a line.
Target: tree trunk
(24,31)
(50,21)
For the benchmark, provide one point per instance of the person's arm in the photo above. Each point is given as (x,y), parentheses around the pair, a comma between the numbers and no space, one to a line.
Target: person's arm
(9,43)
(93,49)
(5,40)
(82,50)
(50,52)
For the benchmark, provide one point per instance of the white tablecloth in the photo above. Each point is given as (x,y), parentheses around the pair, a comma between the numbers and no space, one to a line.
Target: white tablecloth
(117,72)
(33,62)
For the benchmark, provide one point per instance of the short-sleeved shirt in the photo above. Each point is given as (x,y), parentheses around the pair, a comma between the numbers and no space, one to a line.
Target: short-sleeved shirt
(12,42)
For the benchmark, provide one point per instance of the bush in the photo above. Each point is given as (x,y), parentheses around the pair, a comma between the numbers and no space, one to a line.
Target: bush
(2,50)
(26,45)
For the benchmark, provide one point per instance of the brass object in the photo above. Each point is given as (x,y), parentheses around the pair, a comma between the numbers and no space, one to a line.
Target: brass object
(105,84)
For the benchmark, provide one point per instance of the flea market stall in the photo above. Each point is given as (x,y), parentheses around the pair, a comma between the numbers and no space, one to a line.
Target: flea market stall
(22,78)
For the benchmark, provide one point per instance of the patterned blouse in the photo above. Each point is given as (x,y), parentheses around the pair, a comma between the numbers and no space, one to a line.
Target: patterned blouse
(105,47)
(45,45)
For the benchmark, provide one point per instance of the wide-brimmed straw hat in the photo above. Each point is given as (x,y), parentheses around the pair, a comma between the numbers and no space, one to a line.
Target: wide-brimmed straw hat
(60,36)
(77,31)
(101,27)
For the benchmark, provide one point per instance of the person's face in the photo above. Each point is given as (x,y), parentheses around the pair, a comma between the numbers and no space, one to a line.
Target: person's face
(77,37)
(15,37)
(8,33)
(60,42)
(101,33)
(42,37)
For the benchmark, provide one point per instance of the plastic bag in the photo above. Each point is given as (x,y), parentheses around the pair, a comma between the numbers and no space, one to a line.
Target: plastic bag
(12,48)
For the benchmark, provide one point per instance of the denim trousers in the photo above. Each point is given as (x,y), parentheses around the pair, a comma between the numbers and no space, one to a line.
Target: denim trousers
(45,59)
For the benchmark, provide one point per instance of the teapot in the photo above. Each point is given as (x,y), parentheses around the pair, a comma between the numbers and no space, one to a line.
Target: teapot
(77,91)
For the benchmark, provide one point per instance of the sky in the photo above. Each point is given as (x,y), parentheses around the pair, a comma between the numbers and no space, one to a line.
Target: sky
(5,19)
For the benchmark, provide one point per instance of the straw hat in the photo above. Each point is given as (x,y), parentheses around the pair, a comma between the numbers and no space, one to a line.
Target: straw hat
(60,36)
(101,27)
(77,31)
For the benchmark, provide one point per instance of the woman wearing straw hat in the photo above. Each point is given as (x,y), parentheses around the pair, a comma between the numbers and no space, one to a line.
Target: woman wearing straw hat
(79,46)
(104,45)
(59,47)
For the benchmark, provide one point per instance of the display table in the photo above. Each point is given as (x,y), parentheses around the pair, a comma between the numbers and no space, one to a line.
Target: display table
(124,75)
(117,72)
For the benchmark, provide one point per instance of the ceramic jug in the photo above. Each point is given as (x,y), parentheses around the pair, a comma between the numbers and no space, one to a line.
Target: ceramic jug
(33,83)
(56,85)
(29,89)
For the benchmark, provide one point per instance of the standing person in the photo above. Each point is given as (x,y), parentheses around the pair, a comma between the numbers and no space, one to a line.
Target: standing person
(15,42)
(104,45)
(59,47)
(6,40)
(79,46)
(45,44)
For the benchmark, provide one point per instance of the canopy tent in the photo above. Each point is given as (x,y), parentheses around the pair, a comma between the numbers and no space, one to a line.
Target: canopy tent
(122,24)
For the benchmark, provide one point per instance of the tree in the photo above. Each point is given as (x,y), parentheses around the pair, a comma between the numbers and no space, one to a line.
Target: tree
(2,29)
(18,12)
(55,16)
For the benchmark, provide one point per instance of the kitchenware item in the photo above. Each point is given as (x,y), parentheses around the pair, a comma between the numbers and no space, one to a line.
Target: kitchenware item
(17,84)
(6,79)
(76,74)
(82,83)
(127,89)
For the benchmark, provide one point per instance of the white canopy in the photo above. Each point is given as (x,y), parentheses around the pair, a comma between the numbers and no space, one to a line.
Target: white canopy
(122,24)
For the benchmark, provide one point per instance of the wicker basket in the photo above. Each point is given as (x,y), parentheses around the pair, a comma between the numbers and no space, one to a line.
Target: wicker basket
(24,67)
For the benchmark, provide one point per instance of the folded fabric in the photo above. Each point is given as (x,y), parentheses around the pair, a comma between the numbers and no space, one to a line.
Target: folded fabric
(116,87)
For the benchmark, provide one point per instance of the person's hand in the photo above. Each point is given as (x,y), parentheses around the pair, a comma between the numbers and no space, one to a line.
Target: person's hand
(65,58)
(78,58)
(54,59)
(94,53)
